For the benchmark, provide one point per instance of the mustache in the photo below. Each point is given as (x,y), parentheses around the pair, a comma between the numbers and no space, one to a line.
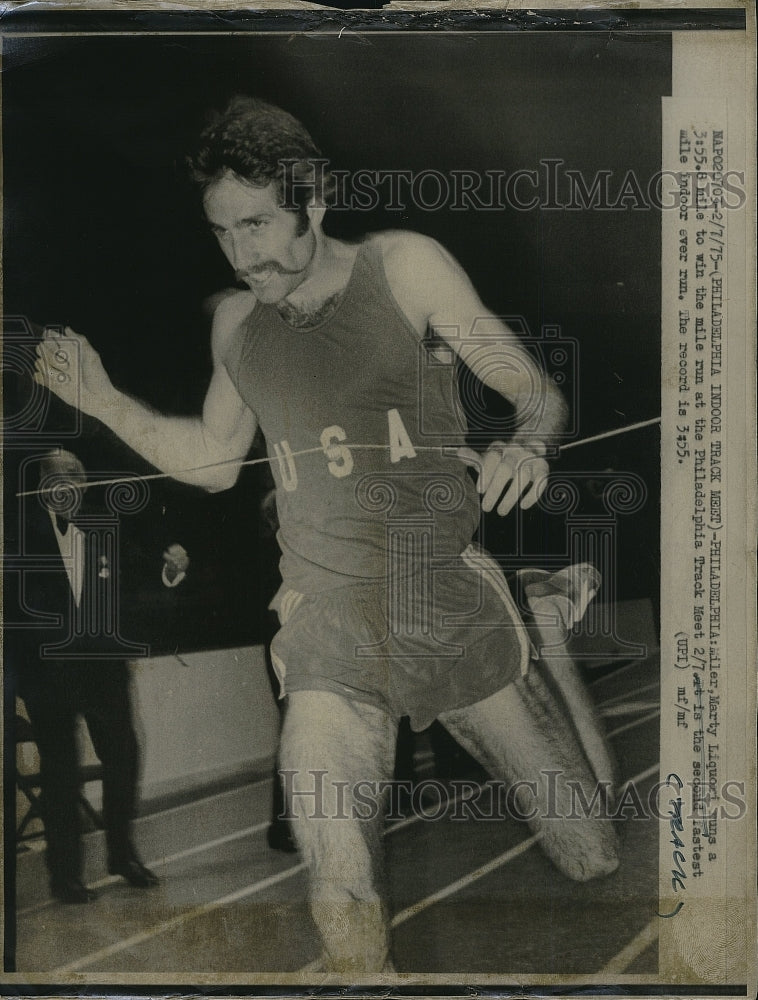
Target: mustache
(270,265)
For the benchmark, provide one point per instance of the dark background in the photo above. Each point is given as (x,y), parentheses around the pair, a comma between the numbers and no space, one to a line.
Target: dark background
(102,234)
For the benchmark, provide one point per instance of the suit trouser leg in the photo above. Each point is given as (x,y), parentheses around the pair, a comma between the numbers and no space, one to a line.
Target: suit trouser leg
(520,734)
(49,697)
(329,746)
(106,707)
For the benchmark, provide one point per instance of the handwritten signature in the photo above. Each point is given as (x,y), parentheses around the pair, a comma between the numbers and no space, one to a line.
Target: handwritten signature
(678,875)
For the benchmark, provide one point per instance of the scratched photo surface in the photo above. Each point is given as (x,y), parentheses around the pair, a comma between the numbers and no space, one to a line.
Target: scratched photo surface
(531,159)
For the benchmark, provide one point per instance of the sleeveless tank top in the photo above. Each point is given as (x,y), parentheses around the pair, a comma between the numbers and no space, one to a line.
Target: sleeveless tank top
(372,405)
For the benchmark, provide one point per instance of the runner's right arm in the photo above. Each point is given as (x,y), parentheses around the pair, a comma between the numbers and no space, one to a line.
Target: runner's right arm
(205,451)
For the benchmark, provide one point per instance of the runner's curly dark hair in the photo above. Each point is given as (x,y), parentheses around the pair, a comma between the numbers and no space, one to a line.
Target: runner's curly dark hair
(261,143)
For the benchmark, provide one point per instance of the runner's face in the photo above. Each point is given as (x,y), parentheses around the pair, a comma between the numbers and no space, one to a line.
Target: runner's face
(258,238)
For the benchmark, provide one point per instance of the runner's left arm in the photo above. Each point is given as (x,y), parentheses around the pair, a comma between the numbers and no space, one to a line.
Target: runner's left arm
(438,292)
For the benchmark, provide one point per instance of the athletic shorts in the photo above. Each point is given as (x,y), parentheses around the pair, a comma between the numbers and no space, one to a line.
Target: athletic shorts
(435,641)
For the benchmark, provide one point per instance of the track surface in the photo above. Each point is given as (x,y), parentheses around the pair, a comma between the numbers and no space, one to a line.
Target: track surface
(468,897)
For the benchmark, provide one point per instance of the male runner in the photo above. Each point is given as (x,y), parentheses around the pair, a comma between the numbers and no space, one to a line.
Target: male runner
(387,609)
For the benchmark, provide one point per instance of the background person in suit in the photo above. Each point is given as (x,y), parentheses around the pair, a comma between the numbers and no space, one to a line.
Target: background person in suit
(58,689)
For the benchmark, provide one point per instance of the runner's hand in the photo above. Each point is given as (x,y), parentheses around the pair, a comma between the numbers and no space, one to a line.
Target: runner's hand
(508,473)
(70,367)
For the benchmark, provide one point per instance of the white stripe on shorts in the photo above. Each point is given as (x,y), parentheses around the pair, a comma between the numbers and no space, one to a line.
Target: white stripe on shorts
(285,604)
(289,603)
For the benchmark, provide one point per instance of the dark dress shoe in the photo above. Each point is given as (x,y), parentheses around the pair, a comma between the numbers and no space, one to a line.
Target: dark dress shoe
(279,837)
(71,890)
(134,872)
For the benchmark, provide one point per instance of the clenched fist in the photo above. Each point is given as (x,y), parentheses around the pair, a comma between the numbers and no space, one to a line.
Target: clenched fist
(70,367)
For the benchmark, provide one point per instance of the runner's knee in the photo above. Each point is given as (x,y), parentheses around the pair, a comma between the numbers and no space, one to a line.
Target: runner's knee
(593,853)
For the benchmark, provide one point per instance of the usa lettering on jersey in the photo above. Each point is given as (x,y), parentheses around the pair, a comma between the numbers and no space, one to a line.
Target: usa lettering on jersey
(338,454)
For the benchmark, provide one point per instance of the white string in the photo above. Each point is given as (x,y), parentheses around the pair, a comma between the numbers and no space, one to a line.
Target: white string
(607,434)
(320,450)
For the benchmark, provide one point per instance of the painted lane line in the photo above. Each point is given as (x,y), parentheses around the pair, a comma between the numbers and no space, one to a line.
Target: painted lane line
(401,824)
(466,880)
(201,848)
(199,911)
(616,673)
(168,859)
(619,963)
(181,918)
(209,798)
(251,831)
(642,776)
(629,708)
(38,846)
(622,697)
(635,947)
(638,722)
(209,845)
(449,890)
(411,911)
(260,886)
(631,664)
